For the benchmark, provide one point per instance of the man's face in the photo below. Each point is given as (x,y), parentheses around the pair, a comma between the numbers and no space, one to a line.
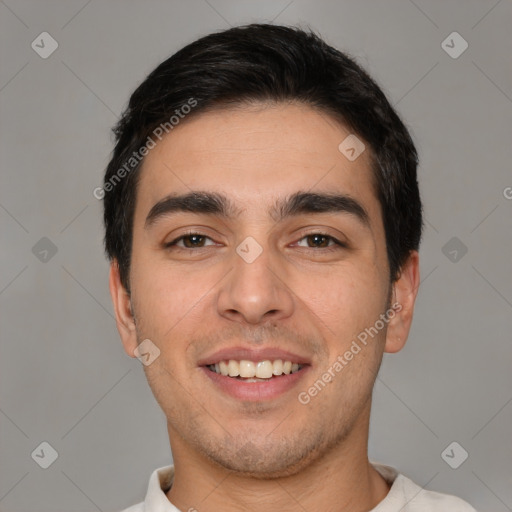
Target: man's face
(215,296)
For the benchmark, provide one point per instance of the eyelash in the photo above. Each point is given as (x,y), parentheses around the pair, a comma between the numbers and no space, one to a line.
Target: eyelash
(337,244)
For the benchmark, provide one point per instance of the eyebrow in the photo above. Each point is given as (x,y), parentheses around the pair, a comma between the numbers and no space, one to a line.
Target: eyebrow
(213,203)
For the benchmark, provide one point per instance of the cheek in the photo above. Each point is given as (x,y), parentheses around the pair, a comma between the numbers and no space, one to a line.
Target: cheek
(168,299)
(346,300)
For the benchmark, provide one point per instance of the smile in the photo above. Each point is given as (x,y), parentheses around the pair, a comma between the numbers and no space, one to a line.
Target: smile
(254,371)
(255,381)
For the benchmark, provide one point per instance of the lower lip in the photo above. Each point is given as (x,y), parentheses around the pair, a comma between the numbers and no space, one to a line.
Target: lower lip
(256,391)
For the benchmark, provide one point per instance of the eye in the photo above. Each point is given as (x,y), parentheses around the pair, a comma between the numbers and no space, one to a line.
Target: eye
(194,240)
(321,241)
(190,241)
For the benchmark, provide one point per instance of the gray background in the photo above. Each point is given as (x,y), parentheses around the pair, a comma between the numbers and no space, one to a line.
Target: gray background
(64,377)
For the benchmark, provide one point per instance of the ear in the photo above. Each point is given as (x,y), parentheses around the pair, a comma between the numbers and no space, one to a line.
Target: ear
(405,290)
(123,310)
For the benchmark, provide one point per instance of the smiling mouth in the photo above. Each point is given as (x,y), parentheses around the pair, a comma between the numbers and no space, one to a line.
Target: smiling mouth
(250,371)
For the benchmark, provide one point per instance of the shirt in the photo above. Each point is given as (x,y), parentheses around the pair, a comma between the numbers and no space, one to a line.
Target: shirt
(403,496)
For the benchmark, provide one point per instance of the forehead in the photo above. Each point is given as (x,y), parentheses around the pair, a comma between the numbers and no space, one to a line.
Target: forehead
(255,155)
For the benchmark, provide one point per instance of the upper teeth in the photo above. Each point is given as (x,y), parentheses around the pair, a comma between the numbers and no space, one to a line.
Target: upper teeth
(248,369)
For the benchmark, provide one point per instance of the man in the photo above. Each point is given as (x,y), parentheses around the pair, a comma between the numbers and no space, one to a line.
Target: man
(263,221)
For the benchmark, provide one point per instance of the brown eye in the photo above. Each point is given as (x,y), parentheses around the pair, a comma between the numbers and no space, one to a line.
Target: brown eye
(321,241)
(318,240)
(189,241)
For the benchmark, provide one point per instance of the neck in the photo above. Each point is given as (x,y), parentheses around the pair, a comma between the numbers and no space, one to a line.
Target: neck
(341,480)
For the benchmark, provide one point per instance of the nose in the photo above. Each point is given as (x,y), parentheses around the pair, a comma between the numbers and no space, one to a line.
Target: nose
(255,291)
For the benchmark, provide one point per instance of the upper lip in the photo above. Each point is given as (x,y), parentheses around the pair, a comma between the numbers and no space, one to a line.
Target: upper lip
(251,354)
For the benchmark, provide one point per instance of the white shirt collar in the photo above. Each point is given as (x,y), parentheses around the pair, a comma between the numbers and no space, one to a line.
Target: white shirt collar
(159,483)
(403,495)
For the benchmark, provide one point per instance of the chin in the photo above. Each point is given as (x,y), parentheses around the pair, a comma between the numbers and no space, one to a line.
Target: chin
(267,462)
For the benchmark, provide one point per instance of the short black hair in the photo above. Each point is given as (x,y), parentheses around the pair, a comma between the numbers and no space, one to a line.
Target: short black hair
(265,63)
